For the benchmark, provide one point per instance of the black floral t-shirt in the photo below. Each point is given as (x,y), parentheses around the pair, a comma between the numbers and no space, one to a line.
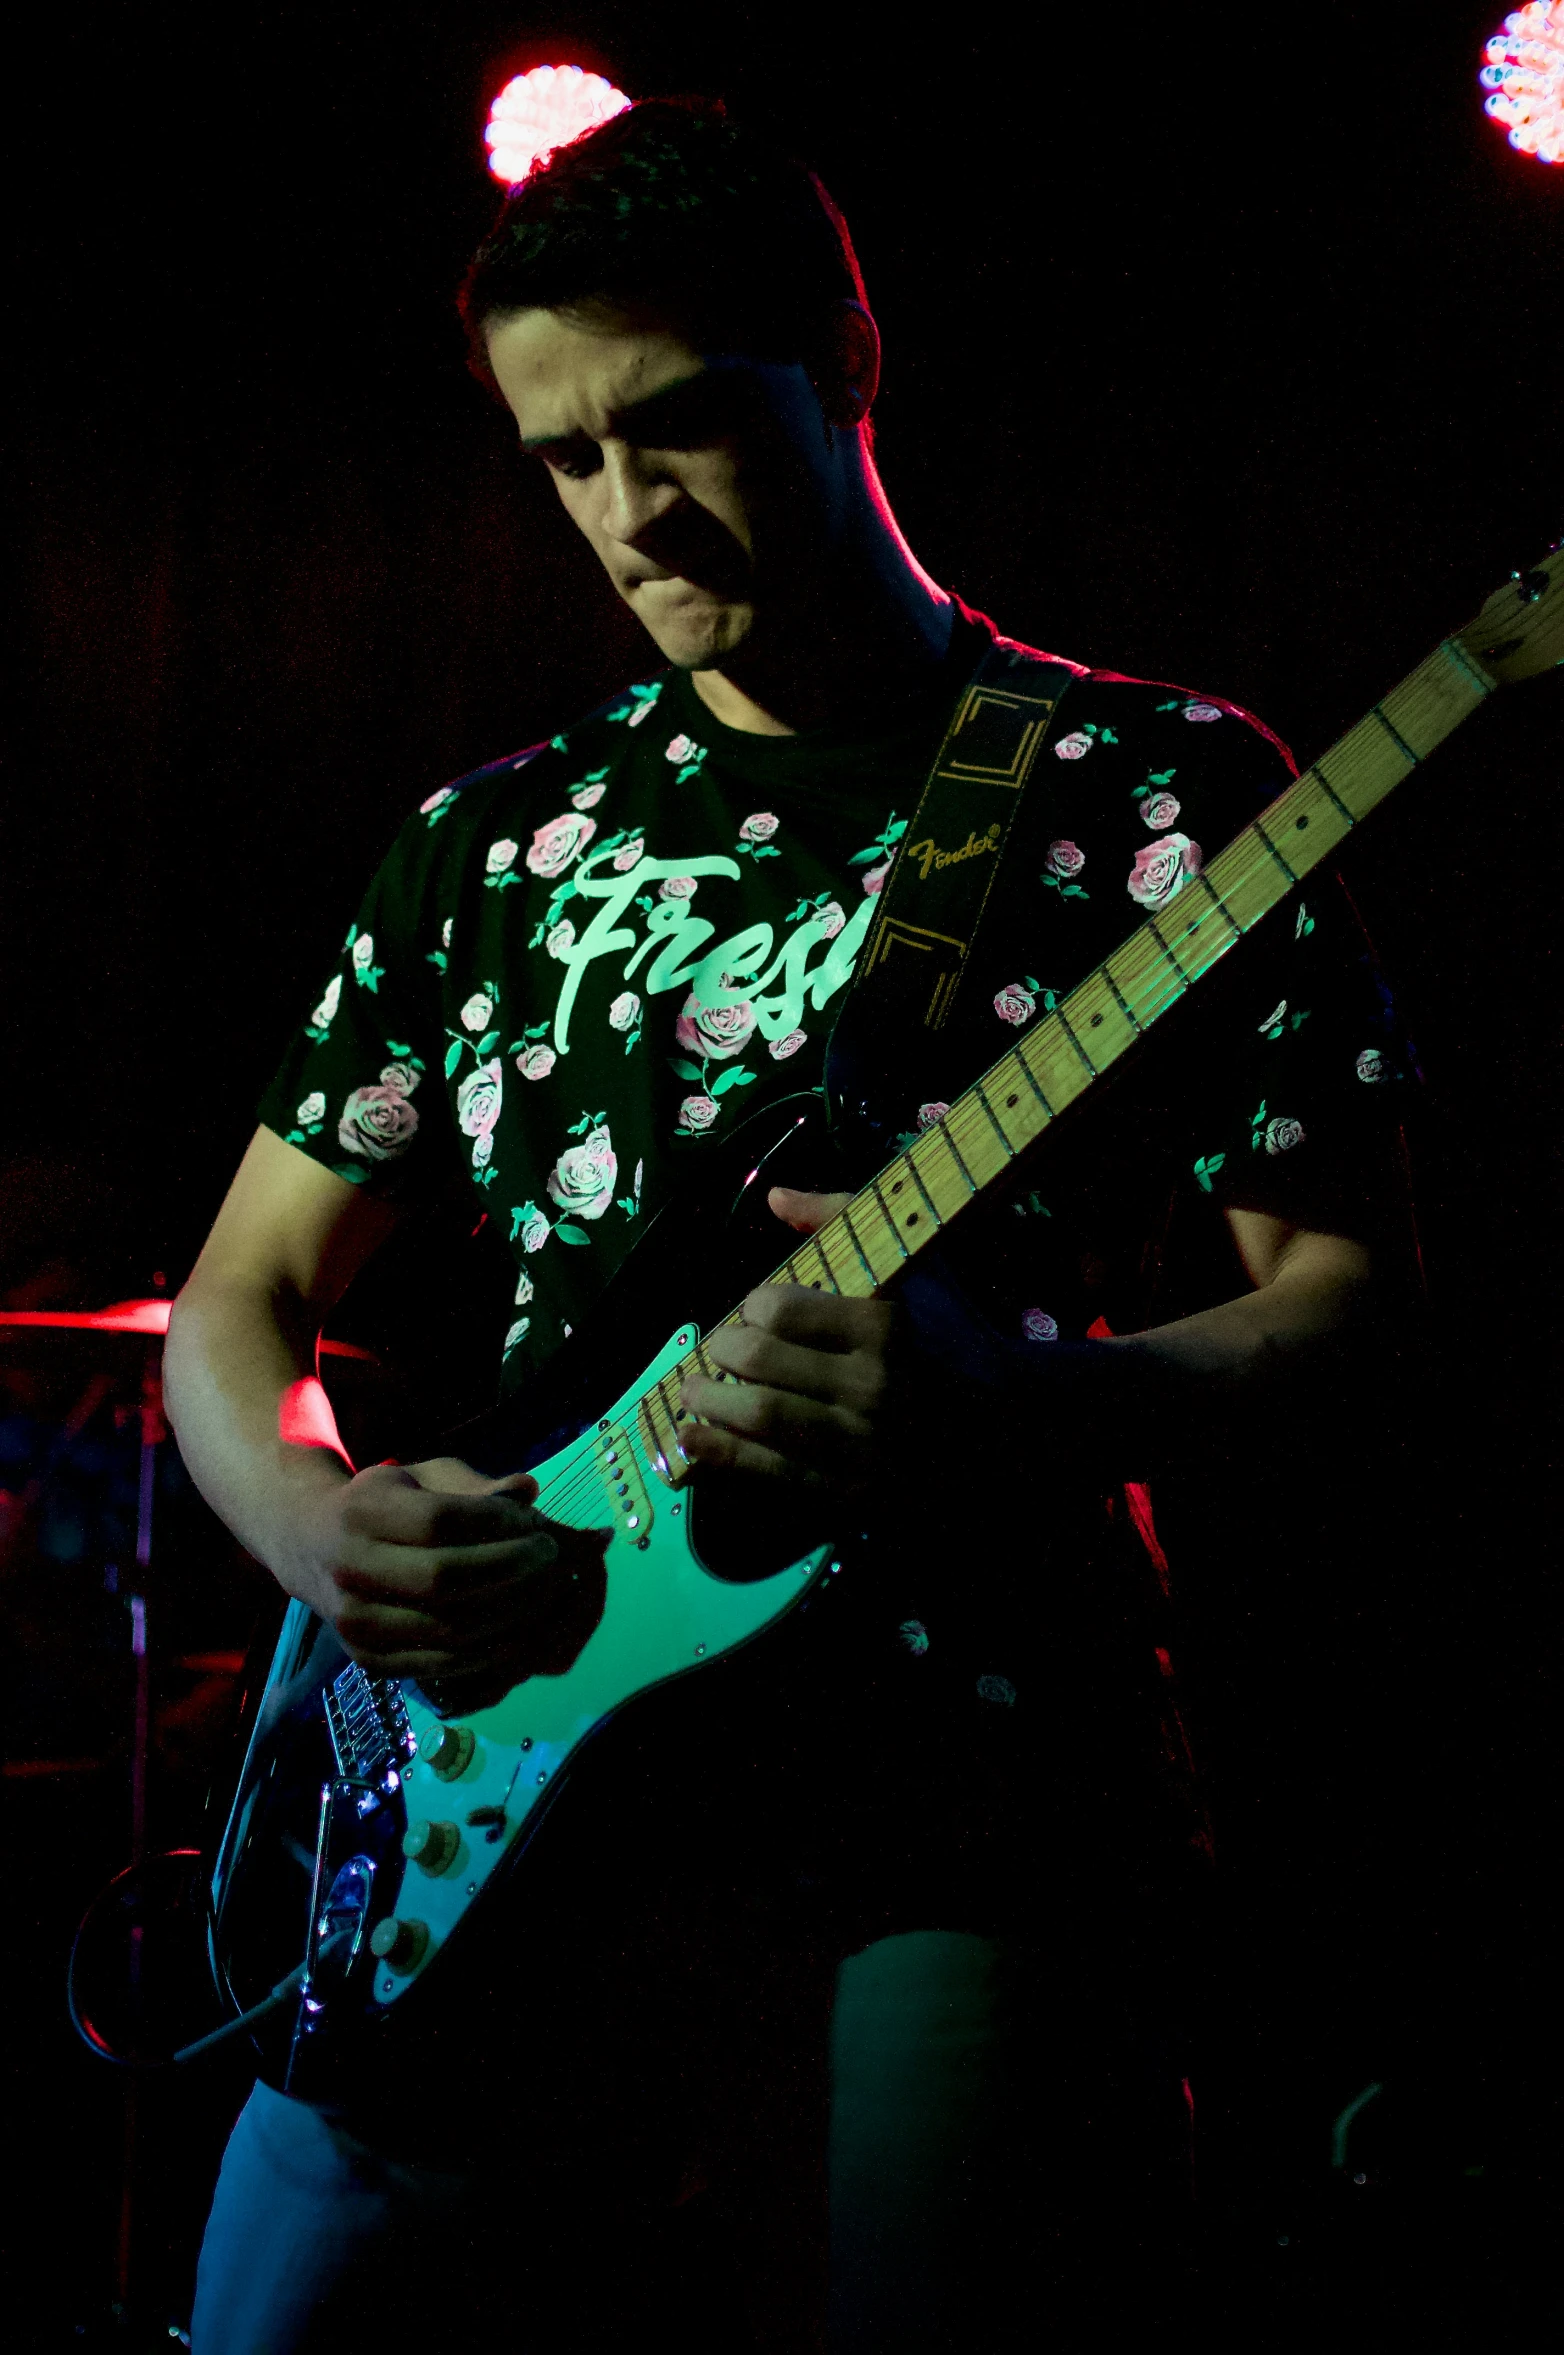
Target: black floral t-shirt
(577,966)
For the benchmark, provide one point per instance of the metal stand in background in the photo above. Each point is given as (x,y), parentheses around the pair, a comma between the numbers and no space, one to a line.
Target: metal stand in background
(154,1431)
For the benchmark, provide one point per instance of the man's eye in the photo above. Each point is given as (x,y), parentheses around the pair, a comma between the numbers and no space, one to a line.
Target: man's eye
(575,464)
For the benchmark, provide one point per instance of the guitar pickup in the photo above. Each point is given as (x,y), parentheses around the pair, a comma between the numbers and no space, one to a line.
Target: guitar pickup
(619,1469)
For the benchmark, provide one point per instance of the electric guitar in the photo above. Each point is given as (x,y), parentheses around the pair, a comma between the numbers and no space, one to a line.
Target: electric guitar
(367,1826)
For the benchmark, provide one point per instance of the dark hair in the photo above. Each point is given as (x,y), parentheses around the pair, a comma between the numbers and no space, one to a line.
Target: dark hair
(670,204)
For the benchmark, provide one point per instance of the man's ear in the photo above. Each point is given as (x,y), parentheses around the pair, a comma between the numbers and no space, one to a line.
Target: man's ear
(846,368)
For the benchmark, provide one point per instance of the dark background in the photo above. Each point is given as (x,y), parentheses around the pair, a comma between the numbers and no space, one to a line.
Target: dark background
(1223,345)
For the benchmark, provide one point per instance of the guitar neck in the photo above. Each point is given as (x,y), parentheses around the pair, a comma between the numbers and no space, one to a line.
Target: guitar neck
(975,1142)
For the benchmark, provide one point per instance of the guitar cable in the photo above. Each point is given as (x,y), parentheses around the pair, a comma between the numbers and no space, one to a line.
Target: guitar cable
(285,1991)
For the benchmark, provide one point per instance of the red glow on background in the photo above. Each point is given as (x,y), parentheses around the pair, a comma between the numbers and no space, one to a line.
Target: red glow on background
(1524,78)
(542,110)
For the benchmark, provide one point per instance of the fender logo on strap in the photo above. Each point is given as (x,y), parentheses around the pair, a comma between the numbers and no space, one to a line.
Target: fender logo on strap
(969,801)
(930,854)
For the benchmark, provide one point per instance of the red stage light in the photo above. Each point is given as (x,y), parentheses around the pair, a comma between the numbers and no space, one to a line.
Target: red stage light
(1524,76)
(542,110)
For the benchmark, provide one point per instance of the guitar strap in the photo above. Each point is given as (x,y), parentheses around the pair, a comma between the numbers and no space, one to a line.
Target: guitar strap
(907,983)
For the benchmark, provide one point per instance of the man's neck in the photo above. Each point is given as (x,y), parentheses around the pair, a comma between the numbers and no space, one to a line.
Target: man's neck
(876,628)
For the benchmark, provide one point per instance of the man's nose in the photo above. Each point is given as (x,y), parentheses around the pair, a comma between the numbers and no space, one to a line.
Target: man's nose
(638,492)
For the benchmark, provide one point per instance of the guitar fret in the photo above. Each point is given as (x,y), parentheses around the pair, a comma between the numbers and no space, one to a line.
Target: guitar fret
(1022,1058)
(1123,1002)
(1218,902)
(1063,1019)
(1320,778)
(982,1096)
(1275,853)
(942,1128)
(852,1236)
(879,1198)
(917,1180)
(1395,735)
(813,1245)
(1458,655)
(1184,975)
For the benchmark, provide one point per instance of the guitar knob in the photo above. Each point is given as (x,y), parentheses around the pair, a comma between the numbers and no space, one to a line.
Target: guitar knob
(431,1846)
(400,1944)
(446,1750)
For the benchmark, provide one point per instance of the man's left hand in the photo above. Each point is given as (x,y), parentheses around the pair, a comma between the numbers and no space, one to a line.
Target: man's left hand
(810,1398)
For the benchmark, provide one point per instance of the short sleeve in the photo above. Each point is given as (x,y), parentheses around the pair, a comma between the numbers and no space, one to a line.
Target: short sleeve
(359,1087)
(1308,1073)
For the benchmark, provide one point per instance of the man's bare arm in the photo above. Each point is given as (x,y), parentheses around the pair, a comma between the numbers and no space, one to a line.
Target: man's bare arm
(428,1570)
(254,1428)
(815,1401)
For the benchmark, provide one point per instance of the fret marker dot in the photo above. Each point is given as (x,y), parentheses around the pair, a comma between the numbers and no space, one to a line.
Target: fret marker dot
(1096,1022)
(1302,822)
(912,1218)
(1011,1102)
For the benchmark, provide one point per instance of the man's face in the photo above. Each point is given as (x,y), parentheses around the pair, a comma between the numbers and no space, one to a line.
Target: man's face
(707,485)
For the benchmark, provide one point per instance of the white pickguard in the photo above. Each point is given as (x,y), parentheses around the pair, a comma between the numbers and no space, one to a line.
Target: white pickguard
(663,1616)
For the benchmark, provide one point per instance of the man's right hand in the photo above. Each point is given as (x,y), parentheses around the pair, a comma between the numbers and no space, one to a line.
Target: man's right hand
(437,1572)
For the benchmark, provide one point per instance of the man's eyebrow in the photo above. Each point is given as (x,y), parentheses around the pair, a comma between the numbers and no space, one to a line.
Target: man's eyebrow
(634,418)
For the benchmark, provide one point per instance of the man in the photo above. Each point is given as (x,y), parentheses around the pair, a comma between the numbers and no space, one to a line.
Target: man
(575,972)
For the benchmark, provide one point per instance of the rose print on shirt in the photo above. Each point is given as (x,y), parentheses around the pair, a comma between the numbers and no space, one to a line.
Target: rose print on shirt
(478,1102)
(498,865)
(687,756)
(377,1123)
(1038,1325)
(714,1032)
(534,1060)
(696,1114)
(587,797)
(319,1024)
(1080,740)
(878,855)
(1062,865)
(1157,806)
(1162,869)
(1015,1005)
(1370,1067)
(582,1179)
(1276,1134)
(517,1333)
(438,805)
(826,914)
(313,1110)
(641,701)
(366,972)
(529,1226)
(779,1049)
(524,1289)
(555,844)
(625,1015)
(677,887)
(1201,711)
(929,1113)
(755,836)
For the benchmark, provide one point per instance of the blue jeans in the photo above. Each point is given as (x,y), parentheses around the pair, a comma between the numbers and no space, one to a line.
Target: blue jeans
(895,2153)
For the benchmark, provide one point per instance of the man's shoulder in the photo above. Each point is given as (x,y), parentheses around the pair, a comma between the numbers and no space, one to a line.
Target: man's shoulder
(574,760)
(1146,699)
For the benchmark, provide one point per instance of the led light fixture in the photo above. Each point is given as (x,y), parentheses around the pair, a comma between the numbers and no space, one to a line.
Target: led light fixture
(1524,77)
(542,110)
